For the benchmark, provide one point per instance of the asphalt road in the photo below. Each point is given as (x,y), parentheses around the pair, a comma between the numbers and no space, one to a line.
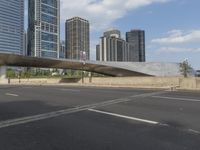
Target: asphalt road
(80,118)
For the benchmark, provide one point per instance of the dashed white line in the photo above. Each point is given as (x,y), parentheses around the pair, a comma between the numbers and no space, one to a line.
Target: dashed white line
(176,98)
(194,131)
(10,94)
(125,117)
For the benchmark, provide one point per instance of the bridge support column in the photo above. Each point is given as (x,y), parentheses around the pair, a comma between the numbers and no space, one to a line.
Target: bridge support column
(3,78)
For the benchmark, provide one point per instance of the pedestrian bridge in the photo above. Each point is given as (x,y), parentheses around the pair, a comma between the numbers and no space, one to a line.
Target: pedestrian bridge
(117,69)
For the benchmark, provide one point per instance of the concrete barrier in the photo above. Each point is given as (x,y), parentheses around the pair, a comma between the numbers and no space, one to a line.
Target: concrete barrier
(198,82)
(188,83)
(143,82)
(172,83)
(35,81)
(136,81)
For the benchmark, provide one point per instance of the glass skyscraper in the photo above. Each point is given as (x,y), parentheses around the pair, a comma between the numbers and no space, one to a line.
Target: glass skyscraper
(11,26)
(136,39)
(62,52)
(44,28)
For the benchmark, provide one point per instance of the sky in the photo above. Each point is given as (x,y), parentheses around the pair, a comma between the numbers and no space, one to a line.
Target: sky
(172,27)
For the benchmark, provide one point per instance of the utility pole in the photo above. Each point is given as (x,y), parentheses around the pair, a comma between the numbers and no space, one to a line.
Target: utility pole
(83,59)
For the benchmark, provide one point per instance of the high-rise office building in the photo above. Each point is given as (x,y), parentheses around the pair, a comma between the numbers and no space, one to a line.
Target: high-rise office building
(136,38)
(112,33)
(25,44)
(11,26)
(98,52)
(77,38)
(44,28)
(62,50)
(112,47)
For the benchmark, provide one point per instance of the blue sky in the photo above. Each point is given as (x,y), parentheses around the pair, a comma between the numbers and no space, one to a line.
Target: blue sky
(172,26)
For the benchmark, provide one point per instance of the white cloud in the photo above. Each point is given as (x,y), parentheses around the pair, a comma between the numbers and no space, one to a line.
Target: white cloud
(101,13)
(177,50)
(179,37)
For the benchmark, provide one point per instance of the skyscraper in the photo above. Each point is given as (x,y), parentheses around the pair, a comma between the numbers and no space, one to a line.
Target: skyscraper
(44,28)
(136,39)
(11,26)
(25,44)
(98,52)
(77,38)
(112,47)
(112,33)
(62,50)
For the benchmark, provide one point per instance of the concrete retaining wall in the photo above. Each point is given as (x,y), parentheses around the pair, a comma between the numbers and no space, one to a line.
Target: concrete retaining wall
(137,81)
(35,81)
(198,82)
(189,83)
(150,82)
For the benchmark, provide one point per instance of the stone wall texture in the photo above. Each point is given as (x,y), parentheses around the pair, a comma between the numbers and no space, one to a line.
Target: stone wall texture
(138,82)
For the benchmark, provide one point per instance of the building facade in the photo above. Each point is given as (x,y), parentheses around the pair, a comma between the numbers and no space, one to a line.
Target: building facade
(44,28)
(112,47)
(62,50)
(11,26)
(112,33)
(136,39)
(77,38)
(25,44)
(98,52)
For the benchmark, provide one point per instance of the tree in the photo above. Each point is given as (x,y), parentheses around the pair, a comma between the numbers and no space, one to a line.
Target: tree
(10,73)
(27,74)
(185,68)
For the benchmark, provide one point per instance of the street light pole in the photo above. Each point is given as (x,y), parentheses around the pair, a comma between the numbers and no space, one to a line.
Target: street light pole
(83,58)
(19,74)
(82,78)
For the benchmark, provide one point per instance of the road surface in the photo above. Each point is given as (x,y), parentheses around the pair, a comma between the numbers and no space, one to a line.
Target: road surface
(88,118)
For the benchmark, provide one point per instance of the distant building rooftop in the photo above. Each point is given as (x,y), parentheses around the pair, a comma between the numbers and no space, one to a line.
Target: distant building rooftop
(77,18)
(112,33)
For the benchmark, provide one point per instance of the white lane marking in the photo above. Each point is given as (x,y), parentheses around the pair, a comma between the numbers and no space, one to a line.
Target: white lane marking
(175,98)
(126,117)
(10,94)
(54,114)
(34,118)
(194,131)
